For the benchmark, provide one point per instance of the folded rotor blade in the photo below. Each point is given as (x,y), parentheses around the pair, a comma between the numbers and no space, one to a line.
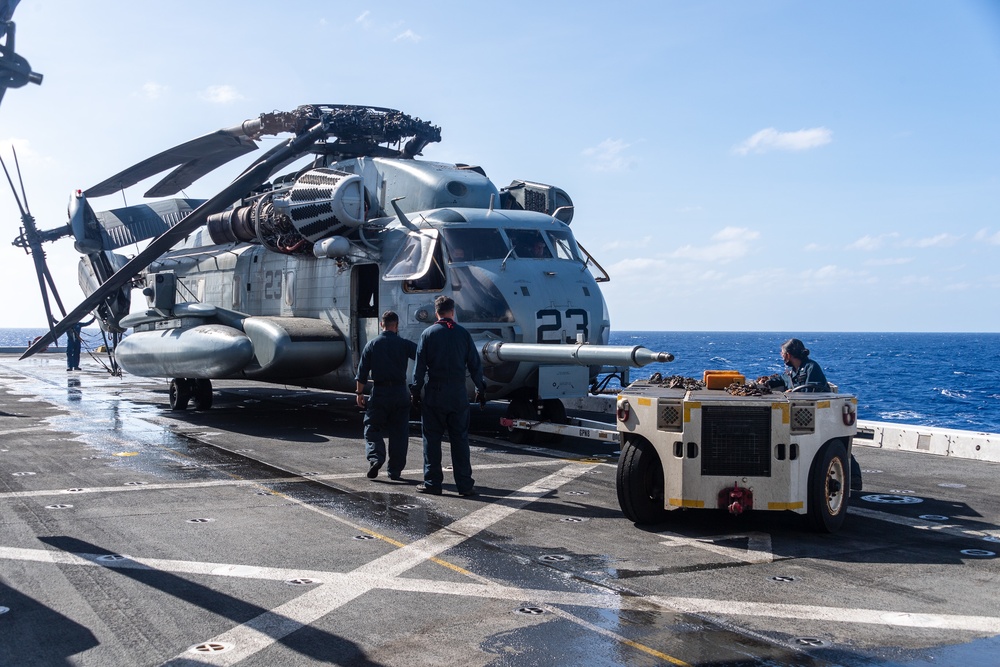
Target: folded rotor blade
(196,158)
(253,176)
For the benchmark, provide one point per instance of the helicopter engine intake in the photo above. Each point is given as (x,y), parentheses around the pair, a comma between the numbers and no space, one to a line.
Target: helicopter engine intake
(319,204)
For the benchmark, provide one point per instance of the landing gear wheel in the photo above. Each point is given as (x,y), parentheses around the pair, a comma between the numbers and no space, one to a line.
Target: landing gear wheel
(202,394)
(553,411)
(180,393)
(640,482)
(829,488)
(521,408)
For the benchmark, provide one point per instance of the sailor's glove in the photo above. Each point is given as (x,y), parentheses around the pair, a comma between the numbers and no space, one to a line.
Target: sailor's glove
(772,381)
(481,399)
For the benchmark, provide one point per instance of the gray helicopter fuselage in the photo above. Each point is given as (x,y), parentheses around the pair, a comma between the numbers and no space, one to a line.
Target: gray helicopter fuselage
(485,259)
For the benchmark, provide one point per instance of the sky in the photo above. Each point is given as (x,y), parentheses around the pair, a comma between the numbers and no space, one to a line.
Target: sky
(769,165)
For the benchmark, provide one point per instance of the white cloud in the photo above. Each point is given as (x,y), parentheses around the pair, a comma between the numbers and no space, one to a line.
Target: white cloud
(609,155)
(771,139)
(221,94)
(938,241)
(824,273)
(871,243)
(363,18)
(153,91)
(729,244)
(408,35)
(984,235)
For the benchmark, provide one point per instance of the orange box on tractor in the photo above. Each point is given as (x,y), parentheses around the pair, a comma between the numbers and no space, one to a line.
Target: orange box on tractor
(722,379)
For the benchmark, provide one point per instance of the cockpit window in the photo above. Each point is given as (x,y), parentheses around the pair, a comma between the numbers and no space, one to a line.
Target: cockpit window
(414,258)
(564,243)
(529,243)
(474,245)
(431,281)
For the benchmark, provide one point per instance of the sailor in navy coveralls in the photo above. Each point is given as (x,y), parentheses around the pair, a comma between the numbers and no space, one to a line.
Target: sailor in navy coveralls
(445,354)
(387,412)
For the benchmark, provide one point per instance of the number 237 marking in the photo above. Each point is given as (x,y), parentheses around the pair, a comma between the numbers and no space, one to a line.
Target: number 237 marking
(552,322)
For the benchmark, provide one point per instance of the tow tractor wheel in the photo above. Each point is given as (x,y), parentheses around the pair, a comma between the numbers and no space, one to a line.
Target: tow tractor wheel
(202,393)
(521,408)
(180,393)
(829,488)
(640,482)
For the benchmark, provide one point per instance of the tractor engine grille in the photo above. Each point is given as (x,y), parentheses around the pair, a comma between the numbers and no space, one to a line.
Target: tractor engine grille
(736,441)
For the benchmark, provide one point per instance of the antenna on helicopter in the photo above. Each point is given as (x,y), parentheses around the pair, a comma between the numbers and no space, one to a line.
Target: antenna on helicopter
(30,239)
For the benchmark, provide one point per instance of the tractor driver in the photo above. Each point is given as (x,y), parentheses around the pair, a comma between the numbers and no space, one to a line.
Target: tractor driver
(804,374)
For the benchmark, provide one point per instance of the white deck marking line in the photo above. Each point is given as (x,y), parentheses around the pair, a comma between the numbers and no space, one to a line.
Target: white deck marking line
(264,630)
(462,529)
(298,479)
(920,524)
(151,487)
(983,624)
(490,590)
(608,600)
(758,545)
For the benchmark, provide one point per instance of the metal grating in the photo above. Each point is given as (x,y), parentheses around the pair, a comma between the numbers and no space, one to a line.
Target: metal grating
(668,416)
(736,440)
(803,418)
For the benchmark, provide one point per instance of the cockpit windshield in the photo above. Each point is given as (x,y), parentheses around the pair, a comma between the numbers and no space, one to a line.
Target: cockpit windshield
(474,245)
(414,258)
(529,243)
(564,243)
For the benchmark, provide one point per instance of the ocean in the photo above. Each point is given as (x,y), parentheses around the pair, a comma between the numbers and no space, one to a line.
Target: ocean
(948,380)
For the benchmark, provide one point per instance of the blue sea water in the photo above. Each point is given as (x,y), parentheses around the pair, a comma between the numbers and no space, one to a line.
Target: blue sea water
(950,380)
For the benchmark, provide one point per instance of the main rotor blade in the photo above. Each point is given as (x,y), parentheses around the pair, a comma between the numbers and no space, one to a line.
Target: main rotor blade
(191,171)
(253,176)
(196,157)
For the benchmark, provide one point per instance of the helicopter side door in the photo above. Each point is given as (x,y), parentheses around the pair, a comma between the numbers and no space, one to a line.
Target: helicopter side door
(364,306)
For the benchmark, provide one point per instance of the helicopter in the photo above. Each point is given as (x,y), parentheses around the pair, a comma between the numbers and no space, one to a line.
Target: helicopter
(281,277)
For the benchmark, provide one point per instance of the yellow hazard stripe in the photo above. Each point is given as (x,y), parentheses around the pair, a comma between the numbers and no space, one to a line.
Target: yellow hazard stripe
(682,502)
(785,417)
(785,506)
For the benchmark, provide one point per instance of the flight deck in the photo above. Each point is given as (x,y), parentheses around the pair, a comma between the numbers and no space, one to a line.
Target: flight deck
(248,534)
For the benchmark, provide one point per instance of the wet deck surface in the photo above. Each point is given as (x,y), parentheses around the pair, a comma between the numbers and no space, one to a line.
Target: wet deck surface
(249,534)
